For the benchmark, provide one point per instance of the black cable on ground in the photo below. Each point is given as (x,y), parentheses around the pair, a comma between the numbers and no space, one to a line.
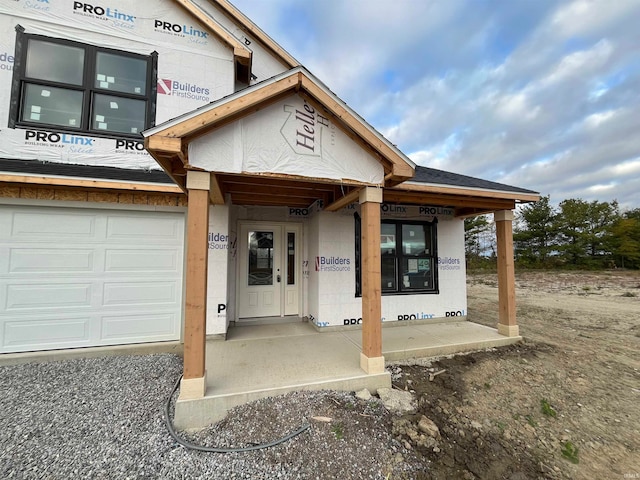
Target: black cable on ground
(201,448)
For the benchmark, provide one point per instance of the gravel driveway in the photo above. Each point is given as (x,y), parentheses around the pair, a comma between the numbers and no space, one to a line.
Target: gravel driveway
(103,418)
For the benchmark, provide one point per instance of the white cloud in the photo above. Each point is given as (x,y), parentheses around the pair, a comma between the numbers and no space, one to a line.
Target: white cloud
(596,119)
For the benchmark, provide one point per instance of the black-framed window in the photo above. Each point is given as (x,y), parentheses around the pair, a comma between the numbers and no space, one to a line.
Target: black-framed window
(70,86)
(408,257)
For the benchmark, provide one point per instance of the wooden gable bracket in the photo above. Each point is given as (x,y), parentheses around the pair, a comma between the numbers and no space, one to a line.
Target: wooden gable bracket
(216,194)
(170,155)
(345,200)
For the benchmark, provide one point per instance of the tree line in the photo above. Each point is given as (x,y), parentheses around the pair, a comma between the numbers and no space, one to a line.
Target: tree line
(575,234)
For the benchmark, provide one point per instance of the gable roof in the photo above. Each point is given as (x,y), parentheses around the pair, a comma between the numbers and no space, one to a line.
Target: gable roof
(168,142)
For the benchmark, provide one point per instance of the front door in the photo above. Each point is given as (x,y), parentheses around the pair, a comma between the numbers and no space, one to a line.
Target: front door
(269,277)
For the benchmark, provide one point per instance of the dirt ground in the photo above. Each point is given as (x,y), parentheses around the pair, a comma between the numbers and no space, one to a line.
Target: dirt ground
(563,404)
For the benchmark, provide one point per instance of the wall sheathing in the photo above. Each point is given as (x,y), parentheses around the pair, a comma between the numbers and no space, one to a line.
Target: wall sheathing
(194,68)
(328,266)
(217,279)
(332,270)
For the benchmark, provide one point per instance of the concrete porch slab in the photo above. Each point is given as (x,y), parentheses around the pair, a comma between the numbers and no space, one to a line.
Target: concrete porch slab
(258,361)
(435,339)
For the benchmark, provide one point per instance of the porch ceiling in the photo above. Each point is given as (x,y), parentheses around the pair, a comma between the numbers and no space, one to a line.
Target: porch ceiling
(265,190)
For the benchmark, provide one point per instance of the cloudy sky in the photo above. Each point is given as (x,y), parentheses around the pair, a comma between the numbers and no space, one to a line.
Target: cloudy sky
(539,94)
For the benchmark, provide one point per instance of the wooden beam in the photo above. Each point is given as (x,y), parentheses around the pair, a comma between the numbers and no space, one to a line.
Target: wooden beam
(371,281)
(343,201)
(159,143)
(248,199)
(396,196)
(216,194)
(239,50)
(472,212)
(271,190)
(506,274)
(288,180)
(196,284)
(86,183)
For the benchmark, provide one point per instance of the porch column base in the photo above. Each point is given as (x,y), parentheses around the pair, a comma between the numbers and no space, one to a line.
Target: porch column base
(373,365)
(508,330)
(193,388)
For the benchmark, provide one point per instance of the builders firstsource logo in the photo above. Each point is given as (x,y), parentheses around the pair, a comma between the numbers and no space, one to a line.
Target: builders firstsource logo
(175,88)
(333,264)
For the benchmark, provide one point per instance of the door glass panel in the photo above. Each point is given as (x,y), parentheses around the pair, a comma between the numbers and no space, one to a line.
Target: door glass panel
(260,258)
(291,258)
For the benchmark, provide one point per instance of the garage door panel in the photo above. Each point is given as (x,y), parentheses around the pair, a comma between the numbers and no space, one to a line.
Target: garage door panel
(47,296)
(143,228)
(140,293)
(77,224)
(50,260)
(138,260)
(78,277)
(141,327)
(33,333)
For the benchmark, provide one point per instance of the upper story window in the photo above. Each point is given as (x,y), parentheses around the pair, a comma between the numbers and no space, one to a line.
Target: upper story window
(78,87)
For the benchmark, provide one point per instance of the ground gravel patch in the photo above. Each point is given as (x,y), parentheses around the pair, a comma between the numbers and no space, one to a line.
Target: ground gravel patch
(102,418)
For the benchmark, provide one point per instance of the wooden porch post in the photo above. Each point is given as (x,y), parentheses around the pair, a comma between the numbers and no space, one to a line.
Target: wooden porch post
(194,382)
(507,324)
(371,359)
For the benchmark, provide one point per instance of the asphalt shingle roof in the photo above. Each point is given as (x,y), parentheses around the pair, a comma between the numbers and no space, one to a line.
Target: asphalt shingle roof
(440,177)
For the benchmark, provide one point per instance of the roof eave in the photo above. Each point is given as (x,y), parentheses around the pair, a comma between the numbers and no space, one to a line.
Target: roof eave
(521,197)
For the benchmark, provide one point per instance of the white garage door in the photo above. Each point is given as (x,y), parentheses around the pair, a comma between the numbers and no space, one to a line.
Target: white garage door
(75,277)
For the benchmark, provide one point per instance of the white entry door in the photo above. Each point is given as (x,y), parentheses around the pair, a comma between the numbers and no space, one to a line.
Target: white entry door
(269,272)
